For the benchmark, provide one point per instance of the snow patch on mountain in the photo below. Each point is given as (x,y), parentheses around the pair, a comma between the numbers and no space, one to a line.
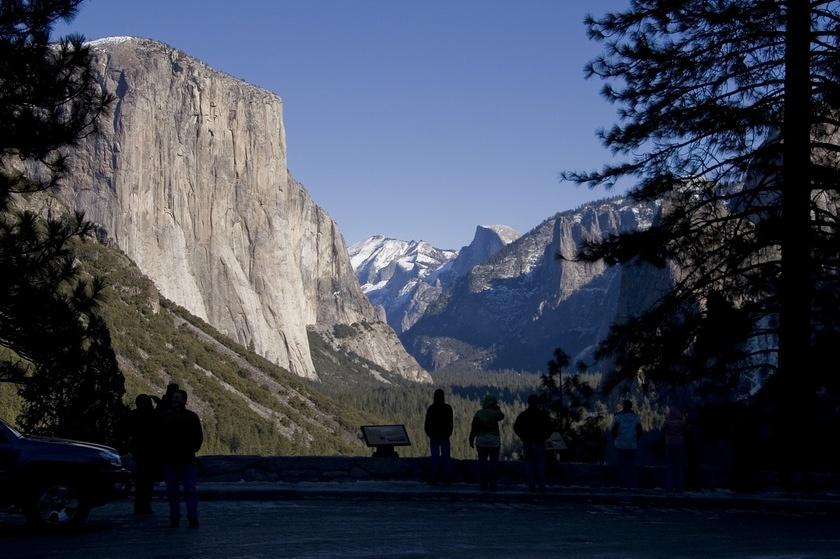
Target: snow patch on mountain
(404,277)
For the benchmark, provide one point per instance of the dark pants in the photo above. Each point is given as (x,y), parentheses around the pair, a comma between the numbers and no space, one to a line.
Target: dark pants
(439,459)
(144,480)
(626,467)
(185,474)
(488,458)
(676,467)
(534,454)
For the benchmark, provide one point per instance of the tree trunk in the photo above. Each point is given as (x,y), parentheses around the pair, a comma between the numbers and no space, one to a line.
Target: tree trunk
(795,296)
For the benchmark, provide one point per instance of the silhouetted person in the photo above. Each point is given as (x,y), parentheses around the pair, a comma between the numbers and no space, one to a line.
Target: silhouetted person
(674,430)
(485,438)
(164,403)
(533,426)
(181,437)
(438,427)
(143,446)
(626,430)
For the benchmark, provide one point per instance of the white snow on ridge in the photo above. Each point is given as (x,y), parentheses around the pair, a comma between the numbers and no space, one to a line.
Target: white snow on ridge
(407,265)
(111,40)
(361,251)
(369,287)
(505,233)
(376,258)
(376,252)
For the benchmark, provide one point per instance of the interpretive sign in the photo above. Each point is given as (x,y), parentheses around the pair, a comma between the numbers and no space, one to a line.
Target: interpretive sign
(385,435)
(556,442)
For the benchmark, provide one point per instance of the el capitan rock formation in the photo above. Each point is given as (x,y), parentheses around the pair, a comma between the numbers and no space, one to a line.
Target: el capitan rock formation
(189,178)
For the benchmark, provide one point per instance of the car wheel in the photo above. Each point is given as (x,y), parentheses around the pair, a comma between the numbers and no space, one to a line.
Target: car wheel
(57,505)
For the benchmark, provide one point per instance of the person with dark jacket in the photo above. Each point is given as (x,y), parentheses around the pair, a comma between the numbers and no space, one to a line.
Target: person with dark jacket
(142,444)
(486,439)
(164,403)
(533,426)
(181,438)
(438,427)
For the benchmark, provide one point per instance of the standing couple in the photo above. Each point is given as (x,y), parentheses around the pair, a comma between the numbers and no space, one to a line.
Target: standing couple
(165,435)
(484,437)
(533,426)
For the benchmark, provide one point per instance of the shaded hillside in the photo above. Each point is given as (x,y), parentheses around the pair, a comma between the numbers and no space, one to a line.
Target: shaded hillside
(248,405)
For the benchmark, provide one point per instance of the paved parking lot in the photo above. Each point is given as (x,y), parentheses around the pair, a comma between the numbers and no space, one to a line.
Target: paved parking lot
(363,528)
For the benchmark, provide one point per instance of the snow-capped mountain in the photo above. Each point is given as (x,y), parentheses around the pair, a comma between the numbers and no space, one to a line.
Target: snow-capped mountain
(376,260)
(394,274)
(513,309)
(404,277)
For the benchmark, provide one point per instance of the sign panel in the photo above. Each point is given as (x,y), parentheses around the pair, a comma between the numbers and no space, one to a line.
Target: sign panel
(556,442)
(385,435)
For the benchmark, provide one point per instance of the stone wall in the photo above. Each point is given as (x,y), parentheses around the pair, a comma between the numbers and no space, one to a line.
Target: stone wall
(293,469)
(341,468)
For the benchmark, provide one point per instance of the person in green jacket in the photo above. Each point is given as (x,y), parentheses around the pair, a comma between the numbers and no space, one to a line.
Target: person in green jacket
(485,438)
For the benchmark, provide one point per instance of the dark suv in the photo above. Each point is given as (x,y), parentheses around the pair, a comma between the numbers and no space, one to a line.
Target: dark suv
(56,482)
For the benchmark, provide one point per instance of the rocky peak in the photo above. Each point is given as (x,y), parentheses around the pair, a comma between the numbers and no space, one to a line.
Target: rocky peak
(487,241)
(190,180)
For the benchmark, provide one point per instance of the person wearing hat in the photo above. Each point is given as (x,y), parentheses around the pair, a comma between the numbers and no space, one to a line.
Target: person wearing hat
(485,438)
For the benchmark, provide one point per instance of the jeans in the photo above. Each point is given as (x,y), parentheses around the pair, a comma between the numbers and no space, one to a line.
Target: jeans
(534,454)
(144,480)
(185,474)
(626,467)
(676,467)
(488,457)
(439,459)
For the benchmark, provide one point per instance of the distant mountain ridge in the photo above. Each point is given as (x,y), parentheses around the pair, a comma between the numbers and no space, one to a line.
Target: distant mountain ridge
(404,277)
(513,309)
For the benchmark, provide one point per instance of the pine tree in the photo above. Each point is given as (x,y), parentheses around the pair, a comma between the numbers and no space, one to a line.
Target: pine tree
(728,116)
(54,343)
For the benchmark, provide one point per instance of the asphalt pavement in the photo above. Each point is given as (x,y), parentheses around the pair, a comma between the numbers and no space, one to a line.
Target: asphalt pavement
(464,492)
(352,526)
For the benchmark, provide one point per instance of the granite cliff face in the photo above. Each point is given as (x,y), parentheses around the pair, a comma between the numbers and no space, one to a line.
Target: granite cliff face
(405,277)
(512,310)
(189,178)
(487,241)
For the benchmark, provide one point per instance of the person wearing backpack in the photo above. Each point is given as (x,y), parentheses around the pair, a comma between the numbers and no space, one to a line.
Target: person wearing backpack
(486,439)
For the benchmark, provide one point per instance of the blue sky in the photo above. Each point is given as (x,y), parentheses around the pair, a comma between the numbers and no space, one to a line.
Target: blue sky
(412,119)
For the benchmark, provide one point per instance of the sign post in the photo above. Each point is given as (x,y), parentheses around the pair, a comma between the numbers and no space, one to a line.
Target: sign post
(383,439)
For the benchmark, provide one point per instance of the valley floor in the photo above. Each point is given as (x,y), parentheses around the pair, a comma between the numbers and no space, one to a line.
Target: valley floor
(364,528)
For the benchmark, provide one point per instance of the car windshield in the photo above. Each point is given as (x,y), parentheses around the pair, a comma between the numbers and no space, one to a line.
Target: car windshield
(5,427)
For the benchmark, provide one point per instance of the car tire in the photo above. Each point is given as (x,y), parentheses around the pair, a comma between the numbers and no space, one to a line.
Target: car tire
(57,505)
